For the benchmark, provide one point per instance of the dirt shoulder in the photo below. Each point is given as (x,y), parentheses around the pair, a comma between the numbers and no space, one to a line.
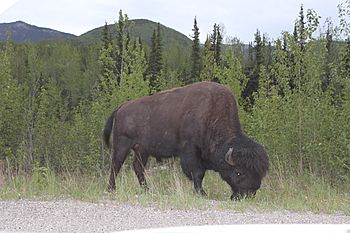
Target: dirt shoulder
(76,216)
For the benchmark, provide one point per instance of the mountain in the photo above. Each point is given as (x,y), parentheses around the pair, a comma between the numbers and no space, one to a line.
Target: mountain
(177,46)
(142,28)
(22,32)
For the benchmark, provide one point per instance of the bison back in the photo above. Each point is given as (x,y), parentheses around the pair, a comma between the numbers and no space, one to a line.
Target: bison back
(170,122)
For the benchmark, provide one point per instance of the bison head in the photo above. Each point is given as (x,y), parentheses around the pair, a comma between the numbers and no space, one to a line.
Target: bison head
(246,168)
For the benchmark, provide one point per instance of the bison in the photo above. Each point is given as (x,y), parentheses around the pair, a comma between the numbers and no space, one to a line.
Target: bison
(198,123)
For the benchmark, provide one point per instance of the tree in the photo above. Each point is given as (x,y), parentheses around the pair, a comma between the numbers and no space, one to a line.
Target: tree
(280,70)
(132,84)
(258,48)
(232,74)
(216,43)
(300,29)
(212,61)
(209,66)
(121,42)
(257,61)
(195,56)
(155,61)
(238,48)
(107,80)
(345,60)
(326,80)
(169,79)
(267,51)
(106,36)
(48,128)
(11,115)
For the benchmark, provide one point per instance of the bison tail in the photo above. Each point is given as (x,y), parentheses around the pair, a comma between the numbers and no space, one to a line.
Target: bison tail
(108,130)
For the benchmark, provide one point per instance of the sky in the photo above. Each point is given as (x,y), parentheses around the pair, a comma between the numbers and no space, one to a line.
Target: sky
(240,18)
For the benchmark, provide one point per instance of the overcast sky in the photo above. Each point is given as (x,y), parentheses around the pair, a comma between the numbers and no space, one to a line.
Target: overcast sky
(241,18)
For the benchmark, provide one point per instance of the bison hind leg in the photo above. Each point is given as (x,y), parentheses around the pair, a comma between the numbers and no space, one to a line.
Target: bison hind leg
(120,150)
(139,164)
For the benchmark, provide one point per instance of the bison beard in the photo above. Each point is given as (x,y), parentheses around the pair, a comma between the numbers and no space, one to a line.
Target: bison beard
(200,124)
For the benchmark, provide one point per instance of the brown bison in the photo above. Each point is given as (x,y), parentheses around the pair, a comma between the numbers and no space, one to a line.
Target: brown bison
(200,124)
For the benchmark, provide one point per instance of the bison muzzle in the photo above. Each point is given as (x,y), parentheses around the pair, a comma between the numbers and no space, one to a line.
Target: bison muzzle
(200,124)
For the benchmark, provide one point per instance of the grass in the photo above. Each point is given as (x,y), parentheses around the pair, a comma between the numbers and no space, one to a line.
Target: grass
(169,188)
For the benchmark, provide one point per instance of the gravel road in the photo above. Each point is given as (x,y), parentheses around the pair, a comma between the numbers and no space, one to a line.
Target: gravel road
(76,216)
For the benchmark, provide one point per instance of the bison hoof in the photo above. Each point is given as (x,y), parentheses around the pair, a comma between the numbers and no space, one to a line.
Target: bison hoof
(236,197)
(110,188)
(145,187)
(202,192)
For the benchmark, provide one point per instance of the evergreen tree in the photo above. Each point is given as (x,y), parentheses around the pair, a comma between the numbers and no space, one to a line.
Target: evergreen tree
(216,43)
(300,35)
(267,51)
(284,43)
(155,61)
(300,29)
(258,60)
(107,63)
(212,60)
(258,49)
(196,55)
(213,39)
(107,81)
(152,64)
(106,36)
(209,66)
(295,32)
(159,49)
(329,44)
(121,43)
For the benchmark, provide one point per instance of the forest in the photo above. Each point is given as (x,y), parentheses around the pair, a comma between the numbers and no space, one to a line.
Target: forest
(293,94)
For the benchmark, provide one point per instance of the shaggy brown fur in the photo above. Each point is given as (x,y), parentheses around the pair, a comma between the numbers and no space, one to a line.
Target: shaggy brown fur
(199,123)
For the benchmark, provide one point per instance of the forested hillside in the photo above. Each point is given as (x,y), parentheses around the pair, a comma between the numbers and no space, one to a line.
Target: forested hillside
(141,28)
(294,92)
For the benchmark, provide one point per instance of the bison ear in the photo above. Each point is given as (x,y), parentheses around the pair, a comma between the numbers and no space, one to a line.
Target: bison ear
(229,157)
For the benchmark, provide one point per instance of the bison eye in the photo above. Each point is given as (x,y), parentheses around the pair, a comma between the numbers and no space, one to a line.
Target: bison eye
(238,173)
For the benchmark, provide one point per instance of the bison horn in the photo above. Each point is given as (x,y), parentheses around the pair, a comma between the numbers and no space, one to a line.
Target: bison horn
(228,157)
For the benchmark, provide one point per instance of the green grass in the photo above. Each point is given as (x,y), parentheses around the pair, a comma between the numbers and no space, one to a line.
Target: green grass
(169,188)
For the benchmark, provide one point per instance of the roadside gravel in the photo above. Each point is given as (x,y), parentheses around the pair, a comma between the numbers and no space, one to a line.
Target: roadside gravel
(76,216)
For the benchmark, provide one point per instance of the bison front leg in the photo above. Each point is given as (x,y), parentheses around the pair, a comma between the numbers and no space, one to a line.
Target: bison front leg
(194,170)
(197,181)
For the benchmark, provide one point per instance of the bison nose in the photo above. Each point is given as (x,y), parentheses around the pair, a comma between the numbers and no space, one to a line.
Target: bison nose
(237,196)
